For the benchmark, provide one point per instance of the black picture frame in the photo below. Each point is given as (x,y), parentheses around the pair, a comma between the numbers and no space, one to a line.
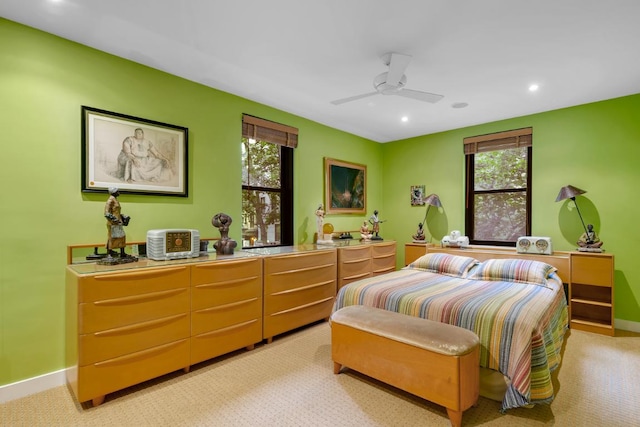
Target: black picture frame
(116,154)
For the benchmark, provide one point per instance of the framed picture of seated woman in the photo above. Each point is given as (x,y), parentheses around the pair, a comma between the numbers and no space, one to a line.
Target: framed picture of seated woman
(138,156)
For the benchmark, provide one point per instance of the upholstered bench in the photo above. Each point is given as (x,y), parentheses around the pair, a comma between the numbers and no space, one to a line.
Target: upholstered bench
(432,360)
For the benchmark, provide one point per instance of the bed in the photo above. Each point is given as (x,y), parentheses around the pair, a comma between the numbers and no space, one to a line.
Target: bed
(517,307)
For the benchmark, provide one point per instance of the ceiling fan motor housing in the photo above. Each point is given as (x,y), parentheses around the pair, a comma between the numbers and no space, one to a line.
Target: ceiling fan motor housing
(381,85)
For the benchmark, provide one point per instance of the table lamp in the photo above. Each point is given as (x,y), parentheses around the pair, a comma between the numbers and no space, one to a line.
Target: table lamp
(570,192)
(430,200)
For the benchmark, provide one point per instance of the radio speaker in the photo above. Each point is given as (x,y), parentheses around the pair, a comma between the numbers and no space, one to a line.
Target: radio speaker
(534,245)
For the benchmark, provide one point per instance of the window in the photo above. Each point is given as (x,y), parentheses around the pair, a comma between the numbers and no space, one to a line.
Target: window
(498,187)
(267,182)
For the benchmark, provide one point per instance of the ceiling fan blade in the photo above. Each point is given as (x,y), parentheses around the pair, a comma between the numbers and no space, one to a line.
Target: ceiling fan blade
(397,65)
(420,96)
(353,98)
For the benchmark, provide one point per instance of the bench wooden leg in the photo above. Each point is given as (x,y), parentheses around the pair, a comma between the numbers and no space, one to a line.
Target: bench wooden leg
(336,367)
(455,417)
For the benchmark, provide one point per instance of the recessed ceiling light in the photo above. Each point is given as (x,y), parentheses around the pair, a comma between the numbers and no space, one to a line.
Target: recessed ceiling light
(459,105)
(405,119)
(534,87)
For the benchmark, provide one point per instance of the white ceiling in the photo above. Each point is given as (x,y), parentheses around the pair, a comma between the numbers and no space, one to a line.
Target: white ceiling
(299,55)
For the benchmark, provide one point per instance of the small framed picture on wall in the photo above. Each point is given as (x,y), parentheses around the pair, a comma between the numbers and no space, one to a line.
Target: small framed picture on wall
(417,195)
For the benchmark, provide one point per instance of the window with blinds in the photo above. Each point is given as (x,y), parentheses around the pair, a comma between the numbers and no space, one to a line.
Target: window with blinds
(498,187)
(267,182)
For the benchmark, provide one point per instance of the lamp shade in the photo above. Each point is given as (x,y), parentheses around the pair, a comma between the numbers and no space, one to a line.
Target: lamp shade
(569,192)
(433,200)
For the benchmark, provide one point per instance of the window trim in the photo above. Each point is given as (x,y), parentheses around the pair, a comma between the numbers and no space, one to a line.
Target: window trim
(517,138)
(287,137)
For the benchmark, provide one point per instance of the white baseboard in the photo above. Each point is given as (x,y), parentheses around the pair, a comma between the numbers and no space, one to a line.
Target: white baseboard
(32,385)
(627,325)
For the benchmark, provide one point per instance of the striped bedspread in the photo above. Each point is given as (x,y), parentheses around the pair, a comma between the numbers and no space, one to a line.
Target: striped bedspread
(521,326)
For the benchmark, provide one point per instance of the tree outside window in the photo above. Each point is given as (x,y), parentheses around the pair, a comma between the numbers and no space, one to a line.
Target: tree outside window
(261,193)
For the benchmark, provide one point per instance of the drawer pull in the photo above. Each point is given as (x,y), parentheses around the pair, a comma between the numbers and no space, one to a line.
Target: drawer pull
(315,267)
(122,360)
(384,256)
(227,282)
(356,276)
(228,328)
(355,249)
(356,261)
(302,307)
(139,274)
(304,288)
(135,299)
(139,326)
(222,266)
(228,306)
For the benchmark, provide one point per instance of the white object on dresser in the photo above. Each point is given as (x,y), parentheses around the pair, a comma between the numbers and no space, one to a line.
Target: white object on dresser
(534,245)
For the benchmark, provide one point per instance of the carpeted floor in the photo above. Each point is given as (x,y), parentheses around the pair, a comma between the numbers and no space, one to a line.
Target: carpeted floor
(290,382)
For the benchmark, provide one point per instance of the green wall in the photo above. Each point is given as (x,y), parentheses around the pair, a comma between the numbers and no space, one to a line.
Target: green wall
(594,147)
(44,80)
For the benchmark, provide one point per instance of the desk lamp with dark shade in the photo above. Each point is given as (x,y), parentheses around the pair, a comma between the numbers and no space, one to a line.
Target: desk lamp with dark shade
(430,200)
(570,192)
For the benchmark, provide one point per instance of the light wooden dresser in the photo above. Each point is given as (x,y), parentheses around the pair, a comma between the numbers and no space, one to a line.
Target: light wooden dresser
(591,302)
(413,251)
(128,323)
(125,327)
(226,307)
(299,286)
(357,260)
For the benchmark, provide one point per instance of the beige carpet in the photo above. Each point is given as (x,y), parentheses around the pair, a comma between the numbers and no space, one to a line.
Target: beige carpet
(290,382)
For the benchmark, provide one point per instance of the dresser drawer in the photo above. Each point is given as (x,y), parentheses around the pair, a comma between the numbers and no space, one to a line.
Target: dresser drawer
(116,342)
(223,316)
(98,379)
(114,285)
(300,277)
(592,270)
(356,253)
(300,295)
(294,317)
(117,312)
(383,250)
(354,270)
(226,272)
(222,341)
(225,292)
(298,263)
(383,264)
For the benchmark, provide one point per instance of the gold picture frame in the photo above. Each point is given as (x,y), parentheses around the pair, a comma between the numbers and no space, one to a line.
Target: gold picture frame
(345,187)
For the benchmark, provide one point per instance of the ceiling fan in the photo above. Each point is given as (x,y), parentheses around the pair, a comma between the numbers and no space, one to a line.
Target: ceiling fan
(393,81)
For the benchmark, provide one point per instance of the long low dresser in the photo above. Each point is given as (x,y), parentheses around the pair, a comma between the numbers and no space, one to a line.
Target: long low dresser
(132,322)
(128,323)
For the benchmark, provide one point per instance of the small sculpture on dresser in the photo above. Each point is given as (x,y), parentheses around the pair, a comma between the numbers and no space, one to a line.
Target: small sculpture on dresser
(320,221)
(225,245)
(419,236)
(116,237)
(375,221)
(589,241)
(364,231)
